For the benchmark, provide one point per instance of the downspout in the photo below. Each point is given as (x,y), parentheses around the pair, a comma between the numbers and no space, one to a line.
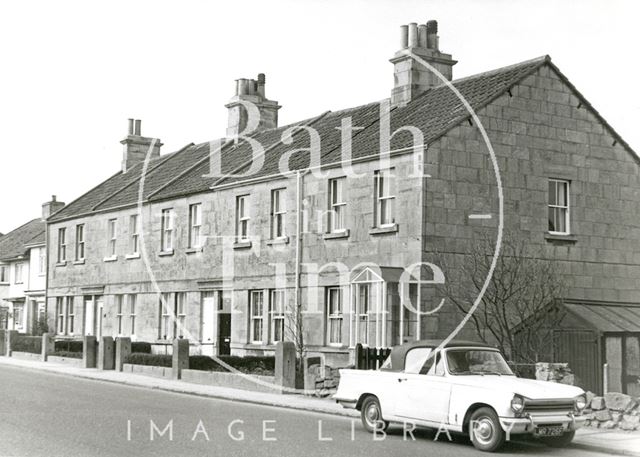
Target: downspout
(299,182)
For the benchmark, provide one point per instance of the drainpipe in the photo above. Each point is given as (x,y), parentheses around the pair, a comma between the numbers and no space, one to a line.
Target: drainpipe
(299,181)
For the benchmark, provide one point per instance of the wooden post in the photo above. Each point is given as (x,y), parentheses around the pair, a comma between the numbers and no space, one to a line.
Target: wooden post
(89,351)
(123,349)
(106,354)
(180,357)
(12,335)
(359,357)
(47,346)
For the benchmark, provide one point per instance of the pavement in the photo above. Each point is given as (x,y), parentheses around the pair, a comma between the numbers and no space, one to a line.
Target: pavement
(595,441)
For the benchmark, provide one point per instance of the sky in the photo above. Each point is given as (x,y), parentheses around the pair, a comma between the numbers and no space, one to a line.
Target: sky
(73,72)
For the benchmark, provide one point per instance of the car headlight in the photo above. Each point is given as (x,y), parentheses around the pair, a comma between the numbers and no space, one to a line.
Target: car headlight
(581,402)
(517,404)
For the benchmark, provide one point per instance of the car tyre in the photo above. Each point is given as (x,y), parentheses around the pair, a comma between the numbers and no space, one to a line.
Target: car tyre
(559,441)
(485,430)
(371,415)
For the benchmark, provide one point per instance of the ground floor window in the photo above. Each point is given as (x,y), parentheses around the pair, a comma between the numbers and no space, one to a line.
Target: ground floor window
(334,315)
(65,315)
(173,315)
(256,307)
(119,314)
(132,314)
(277,305)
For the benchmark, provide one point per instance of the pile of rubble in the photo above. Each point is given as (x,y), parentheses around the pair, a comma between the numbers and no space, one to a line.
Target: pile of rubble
(613,411)
(320,380)
(554,372)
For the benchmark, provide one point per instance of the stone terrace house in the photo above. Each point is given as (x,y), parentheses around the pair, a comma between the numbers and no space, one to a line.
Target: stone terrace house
(231,256)
(23,269)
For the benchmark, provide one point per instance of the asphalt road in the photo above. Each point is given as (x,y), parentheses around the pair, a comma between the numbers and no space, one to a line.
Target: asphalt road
(45,414)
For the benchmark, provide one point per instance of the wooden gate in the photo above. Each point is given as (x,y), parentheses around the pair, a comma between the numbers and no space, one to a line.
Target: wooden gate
(370,358)
(581,350)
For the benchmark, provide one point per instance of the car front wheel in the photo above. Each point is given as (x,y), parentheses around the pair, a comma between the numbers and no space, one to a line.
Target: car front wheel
(559,441)
(485,431)
(371,415)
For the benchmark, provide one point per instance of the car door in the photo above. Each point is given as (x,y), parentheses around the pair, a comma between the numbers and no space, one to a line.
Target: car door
(425,395)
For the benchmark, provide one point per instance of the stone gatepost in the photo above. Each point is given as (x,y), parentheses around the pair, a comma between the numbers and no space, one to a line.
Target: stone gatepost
(123,349)
(106,353)
(180,358)
(48,346)
(3,343)
(11,337)
(285,373)
(89,351)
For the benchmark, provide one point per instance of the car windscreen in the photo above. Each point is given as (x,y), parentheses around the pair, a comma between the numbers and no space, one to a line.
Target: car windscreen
(477,361)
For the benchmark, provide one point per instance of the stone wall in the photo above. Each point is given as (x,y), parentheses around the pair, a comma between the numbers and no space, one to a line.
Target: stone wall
(613,411)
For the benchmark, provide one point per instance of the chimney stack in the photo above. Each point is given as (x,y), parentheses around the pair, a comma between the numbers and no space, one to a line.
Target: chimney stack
(51,207)
(137,146)
(410,77)
(251,90)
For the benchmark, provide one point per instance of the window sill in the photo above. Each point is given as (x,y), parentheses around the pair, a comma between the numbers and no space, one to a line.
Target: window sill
(278,241)
(165,253)
(132,256)
(4,283)
(78,262)
(242,244)
(337,235)
(384,230)
(560,238)
(194,250)
(113,258)
(61,264)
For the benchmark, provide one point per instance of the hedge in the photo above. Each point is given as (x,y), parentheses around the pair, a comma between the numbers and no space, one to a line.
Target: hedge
(140,347)
(156,360)
(68,346)
(68,354)
(32,344)
(261,365)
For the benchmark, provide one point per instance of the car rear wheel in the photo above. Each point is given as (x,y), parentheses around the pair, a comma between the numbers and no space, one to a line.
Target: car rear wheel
(485,430)
(371,415)
(559,441)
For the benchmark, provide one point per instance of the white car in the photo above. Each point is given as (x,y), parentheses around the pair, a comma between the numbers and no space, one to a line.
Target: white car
(463,387)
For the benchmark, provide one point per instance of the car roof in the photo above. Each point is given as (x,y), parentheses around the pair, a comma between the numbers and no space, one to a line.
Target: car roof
(398,353)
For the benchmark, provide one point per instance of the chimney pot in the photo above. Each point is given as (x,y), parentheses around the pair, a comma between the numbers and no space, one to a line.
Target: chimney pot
(53,198)
(422,35)
(404,36)
(130,126)
(138,125)
(432,27)
(413,35)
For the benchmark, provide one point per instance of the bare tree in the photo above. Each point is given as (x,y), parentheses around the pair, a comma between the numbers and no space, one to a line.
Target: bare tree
(519,308)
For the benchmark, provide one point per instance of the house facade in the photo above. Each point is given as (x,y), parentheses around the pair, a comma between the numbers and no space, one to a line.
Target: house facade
(227,247)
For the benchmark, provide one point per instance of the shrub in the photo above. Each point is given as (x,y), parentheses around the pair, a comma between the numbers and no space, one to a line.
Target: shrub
(155,360)
(41,326)
(68,354)
(140,347)
(524,370)
(261,365)
(31,344)
(68,346)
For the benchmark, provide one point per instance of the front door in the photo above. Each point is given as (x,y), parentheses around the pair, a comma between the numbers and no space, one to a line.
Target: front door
(209,309)
(99,316)
(89,316)
(224,333)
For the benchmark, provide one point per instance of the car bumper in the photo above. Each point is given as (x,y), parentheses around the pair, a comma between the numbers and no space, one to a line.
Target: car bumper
(529,423)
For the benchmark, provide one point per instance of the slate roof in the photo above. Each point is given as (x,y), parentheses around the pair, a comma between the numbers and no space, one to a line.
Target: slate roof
(181,173)
(14,244)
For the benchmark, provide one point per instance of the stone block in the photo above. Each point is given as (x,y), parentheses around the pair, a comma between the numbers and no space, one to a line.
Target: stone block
(603,415)
(3,342)
(10,337)
(47,346)
(312,375)
(89,347)
(597,403)
(106,353)
(617,401)
(123,349)
(180,357)
(285,372)
(629,422)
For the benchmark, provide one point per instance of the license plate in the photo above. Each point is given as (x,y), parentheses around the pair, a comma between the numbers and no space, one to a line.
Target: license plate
(550,430)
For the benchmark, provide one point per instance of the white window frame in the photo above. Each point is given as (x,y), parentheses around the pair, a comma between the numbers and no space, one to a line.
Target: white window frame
(119,305)
(166,304)
(384,183)
(195,225)
(134,236)
(560,208)
(333,317)
(337,205)
(62,245)
(112,238)
(243,216)
(256,318)
(69,315)
(277,311)
(42,262)
(132,298)
(166,236)
(61,319)
(18,273)
(181,313)
(4,274)
(80,244)
(278,214)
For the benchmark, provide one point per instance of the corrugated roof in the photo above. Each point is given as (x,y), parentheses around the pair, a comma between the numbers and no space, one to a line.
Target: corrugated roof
(608,318)
(182,173)
(14,243)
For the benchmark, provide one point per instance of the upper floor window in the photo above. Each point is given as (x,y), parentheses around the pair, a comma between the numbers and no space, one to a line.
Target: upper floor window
(384,198)
(112,237)
(278,211)
(559,206)
(242,218)
(80,242)
(166,236)
(337,205)
(4,275)
(256,307)
(18,273)
(62,245)
(195,225)
(277,305)
(42,261)
(134,234)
